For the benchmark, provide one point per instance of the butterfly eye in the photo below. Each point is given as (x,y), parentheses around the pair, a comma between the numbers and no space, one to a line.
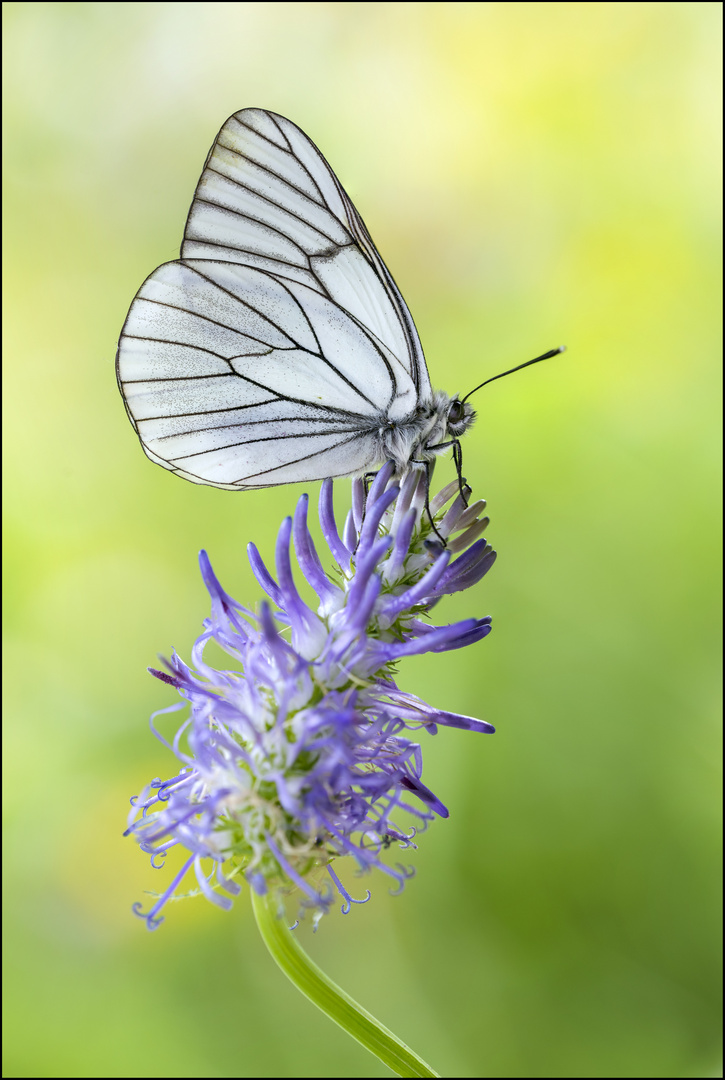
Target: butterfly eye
(456,412)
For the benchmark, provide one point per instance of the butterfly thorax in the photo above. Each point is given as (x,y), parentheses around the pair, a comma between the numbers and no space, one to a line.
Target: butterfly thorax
(427,432)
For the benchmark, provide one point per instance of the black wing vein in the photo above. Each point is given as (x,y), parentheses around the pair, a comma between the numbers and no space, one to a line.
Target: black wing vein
(272,202)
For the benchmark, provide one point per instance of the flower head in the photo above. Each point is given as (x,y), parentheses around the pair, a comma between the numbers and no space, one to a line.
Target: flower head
(302,750)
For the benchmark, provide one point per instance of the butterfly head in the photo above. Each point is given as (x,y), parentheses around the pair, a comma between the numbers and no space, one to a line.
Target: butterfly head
(460,417)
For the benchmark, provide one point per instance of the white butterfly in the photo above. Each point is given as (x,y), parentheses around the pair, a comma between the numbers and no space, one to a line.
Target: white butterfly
(278,348)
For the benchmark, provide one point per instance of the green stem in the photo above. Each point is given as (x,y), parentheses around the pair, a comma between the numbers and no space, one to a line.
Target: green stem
(333,1001)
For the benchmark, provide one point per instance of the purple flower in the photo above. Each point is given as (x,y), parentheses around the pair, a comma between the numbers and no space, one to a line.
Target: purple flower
(300,751)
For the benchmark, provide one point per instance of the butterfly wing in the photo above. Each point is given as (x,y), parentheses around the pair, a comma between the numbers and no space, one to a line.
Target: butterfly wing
(267,197)
(277,346)
(235,379)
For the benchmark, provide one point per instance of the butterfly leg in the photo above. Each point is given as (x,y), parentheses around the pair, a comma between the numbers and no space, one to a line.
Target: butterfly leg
(426,465)
(368,476)
(458,461)
(366,479)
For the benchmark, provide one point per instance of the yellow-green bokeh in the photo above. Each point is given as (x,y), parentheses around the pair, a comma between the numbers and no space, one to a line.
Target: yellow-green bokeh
(534,174)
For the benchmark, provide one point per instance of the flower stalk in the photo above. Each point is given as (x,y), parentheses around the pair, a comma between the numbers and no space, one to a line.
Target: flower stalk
(291,958)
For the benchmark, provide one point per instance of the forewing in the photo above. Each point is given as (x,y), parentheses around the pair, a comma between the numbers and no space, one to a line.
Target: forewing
(268,199)
(236,378)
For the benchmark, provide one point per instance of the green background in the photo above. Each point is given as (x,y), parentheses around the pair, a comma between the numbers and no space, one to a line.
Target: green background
(534,174)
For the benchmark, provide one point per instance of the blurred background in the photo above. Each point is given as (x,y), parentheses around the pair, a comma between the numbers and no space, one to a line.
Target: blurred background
(534,174)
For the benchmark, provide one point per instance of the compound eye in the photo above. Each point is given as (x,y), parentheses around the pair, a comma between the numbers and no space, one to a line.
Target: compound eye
(455,413)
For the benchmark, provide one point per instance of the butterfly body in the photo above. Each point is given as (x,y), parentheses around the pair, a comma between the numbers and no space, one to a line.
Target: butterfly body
(428,432)
(278,347)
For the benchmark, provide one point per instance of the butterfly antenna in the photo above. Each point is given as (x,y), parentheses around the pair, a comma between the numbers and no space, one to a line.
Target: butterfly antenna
(545,356)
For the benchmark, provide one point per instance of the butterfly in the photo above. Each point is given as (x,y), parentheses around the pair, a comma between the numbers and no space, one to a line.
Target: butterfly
(278,347)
